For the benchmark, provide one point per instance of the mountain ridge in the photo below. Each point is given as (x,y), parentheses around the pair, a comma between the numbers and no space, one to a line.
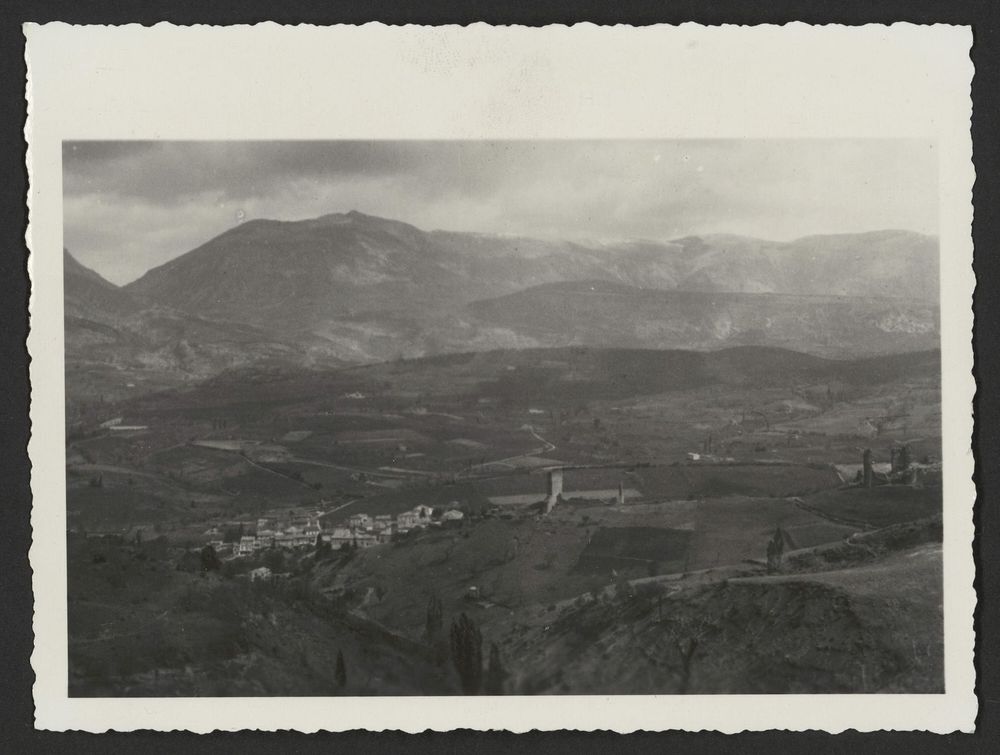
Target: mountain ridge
(356,288)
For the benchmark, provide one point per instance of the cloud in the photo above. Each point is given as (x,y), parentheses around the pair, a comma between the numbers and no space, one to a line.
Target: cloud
(132,205)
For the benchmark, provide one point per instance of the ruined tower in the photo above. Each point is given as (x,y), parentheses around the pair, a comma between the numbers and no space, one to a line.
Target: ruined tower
(555,489)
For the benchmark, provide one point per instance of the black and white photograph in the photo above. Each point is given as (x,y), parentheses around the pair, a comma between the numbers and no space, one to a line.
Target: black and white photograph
(501,378)
(527,417)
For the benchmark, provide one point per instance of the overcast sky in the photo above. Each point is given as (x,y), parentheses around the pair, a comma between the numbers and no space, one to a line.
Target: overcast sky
(129,206)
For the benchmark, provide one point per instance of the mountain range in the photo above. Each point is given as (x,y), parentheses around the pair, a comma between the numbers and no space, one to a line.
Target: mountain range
(352,288)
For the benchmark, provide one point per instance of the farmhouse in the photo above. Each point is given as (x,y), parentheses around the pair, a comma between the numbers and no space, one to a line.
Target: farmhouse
(247,543)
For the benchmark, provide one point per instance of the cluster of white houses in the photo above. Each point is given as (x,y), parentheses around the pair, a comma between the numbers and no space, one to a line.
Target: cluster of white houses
(359,531)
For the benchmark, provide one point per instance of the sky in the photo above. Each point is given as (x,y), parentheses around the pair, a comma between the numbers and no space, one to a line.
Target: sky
(130,206)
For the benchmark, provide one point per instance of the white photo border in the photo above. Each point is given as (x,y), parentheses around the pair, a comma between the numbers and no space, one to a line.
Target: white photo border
(481,82)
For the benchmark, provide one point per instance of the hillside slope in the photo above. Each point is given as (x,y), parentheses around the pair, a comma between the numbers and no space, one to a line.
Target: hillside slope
(117,345)
(374,288)
(601,313)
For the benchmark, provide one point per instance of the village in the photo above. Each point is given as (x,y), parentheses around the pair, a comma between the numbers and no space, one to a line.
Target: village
(313,531)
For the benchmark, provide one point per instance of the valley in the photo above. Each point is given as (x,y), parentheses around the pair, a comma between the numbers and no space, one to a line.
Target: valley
(323,456)
(347,507)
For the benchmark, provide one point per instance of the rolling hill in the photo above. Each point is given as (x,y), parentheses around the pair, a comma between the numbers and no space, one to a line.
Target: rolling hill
(600,313)
(561,376)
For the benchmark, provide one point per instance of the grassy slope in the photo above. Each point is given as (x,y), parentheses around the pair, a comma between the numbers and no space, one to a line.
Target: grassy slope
(870,628)
(138,626)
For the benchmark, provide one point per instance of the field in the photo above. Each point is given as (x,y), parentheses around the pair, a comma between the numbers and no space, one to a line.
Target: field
(712,451)
(877,507)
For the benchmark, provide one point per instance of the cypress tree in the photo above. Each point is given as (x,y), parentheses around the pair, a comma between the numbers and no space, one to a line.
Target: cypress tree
(435,618)
(467,654)
(341,672)
(495,672)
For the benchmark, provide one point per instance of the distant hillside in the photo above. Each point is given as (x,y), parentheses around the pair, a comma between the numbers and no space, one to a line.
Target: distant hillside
(373,289)
(116,345)
(563,376)
(600,313)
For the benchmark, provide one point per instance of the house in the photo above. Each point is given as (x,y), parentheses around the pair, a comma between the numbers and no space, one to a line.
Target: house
(382,522)
(423,512)
(364,540)
(246,546)
(359,521)
(295,537)
(341,536)
(260,573)
(407,521)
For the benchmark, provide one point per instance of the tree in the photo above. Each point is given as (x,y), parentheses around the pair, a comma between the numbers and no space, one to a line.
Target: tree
(341,671)
(775,550)
(467,654)
(687,634)
(274,559)
(210,559)
(433,630)
(435,618)
(322,546)
(867,476)
(495,672)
